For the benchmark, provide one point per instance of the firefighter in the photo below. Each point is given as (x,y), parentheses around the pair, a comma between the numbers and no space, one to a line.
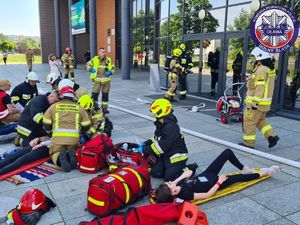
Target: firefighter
(98,121)
(260,85)
(175,70)
(8,112)
(29,59)
(68,61)
(168,145)
(187,64)
(30,125)
(65,120)
(53,79)
(101,69)
(213,62)
(25,91)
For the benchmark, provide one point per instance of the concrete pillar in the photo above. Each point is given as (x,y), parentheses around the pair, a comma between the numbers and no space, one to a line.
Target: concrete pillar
(93,32)
(57,28)
(125,39)
(72,37)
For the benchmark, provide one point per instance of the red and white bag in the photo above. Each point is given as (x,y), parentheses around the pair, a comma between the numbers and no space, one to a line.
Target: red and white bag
(91,156)
(117,188)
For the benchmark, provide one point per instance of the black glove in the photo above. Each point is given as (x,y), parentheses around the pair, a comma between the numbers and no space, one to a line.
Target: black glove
(107,131)
(108,123)
(148,142)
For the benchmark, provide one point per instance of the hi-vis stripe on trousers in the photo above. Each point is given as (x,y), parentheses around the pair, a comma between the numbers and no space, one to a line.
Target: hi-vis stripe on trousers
(255,119)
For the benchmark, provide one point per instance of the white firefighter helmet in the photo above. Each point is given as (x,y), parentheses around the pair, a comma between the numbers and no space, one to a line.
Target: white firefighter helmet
(260,54)
(33,77)
(65,88)
(51,77)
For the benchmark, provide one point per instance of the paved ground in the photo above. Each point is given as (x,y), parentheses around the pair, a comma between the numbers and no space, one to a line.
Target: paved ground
(275,201)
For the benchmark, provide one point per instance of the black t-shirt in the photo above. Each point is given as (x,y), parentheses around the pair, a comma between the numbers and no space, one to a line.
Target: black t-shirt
(198,184)
(6,99)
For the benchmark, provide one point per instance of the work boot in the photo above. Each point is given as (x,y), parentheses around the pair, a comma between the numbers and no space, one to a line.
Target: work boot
(105,111)
(72,159)
(242,144)
(64,162)
(212,93)
(273,141)
(66,76)
(193,167)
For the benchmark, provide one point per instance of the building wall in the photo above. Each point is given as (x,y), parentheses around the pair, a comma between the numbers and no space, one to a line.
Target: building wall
(47,27)
(105,10)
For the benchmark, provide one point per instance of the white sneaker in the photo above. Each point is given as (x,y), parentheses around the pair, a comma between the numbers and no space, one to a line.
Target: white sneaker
(271,170)
(247,170)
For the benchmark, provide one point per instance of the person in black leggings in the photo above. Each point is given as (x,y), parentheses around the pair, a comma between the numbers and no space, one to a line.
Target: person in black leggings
(208,182)
(23,157)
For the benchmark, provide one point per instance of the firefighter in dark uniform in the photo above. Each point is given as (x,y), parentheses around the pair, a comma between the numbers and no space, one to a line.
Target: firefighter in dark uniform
(214,70)
(187,64)
(30,125)
(168,145)
(26,90)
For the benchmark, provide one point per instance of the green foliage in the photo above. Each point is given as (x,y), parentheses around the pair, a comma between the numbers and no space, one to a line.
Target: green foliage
(28,43)
(7,45)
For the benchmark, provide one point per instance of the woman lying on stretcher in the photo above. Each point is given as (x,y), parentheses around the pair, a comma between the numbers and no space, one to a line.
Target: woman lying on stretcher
(208,182)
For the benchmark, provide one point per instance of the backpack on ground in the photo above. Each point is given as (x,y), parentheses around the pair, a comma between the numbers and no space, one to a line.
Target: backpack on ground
(91,156)
(117,188)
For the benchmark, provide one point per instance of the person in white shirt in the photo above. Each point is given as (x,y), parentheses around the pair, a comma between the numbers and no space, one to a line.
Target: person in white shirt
(54,64)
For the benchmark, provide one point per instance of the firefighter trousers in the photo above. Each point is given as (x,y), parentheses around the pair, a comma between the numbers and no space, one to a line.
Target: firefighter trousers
(104,88)
(182,86)
(56,149)
(173,85)
(29,64)
(253,119)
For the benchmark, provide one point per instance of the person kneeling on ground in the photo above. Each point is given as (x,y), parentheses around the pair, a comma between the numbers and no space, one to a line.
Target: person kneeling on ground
(168,145)
(66,120)
(99,124)
(208,182)
(37,149)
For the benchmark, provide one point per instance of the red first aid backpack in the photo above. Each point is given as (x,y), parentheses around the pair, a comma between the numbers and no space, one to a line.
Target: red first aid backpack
(117,188)
(91,156)
(123,154)
(157,214)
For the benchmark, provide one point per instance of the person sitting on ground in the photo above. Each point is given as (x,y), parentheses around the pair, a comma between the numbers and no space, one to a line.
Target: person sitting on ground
(53,79)
(99,124)
(30,125)
(168,145)
(8,112)
(37,149)
(208,182)
(25,91)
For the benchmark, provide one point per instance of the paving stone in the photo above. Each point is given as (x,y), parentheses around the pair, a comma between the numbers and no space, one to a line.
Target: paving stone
(295,217)
(63,176)
(283,200)
(281,221)
(76,221)
(7,186)
(241,212)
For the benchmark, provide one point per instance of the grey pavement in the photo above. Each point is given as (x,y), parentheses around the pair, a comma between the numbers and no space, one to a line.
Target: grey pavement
(275,201)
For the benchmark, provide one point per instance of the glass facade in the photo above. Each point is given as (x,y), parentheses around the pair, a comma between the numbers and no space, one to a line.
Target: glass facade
(161,25)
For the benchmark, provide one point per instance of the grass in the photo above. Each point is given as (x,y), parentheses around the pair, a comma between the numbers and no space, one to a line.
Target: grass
(20,59)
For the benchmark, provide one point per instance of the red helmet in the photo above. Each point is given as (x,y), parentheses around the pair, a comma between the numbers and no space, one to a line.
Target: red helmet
(33,200)
(67,91)
(68,49)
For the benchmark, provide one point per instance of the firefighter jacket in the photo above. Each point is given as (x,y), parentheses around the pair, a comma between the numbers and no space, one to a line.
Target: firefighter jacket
(186,62)
(260,88)
(66,120)
(32,117)
(4,100)
(100,65)
(168,142)
(175,67)
(79,91)
(68,61)
(23,93)
(97,121)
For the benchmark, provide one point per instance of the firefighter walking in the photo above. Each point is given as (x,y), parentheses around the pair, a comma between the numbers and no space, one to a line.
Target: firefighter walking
(68,61)
(187,64)
(66,120)
(101,69)
(29,59)
(174,70)
(260,87)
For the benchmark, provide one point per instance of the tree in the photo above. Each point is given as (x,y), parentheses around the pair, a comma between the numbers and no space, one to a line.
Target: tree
(7,45)
(28,43)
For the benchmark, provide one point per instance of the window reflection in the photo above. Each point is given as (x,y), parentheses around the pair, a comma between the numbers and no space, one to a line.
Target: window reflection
(215,20)
(238,17)
(164,9)
(174,6)
(164,27)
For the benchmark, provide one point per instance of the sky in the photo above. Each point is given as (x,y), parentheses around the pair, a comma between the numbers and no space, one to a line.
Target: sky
(20,17)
